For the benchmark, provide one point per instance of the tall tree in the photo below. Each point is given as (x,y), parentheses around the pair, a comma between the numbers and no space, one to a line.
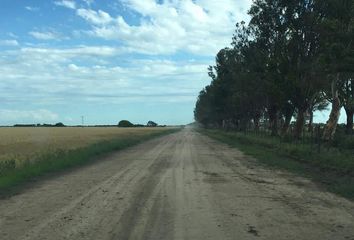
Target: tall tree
(346,93)
(271,34)
(306,82)
(337,31)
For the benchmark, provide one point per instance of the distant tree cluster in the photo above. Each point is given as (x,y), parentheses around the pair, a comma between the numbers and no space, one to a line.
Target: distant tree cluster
(59,124)
(126,123)
(151,124)
(293,58)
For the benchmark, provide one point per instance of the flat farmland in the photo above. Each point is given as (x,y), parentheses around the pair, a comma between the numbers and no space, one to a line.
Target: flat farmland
(24,143)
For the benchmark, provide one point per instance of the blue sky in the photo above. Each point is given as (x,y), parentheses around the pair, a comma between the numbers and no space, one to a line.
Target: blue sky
(109,60)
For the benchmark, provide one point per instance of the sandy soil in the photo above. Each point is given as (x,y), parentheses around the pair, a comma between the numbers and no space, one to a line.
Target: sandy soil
(181,186)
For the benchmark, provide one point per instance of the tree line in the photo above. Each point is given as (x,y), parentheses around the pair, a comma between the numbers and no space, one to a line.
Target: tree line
(293,58)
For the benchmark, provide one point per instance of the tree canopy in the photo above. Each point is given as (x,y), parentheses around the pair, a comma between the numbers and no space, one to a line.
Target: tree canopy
(125,123)
(292,58)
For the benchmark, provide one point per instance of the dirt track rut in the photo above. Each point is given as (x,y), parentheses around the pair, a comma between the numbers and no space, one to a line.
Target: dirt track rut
(181,186)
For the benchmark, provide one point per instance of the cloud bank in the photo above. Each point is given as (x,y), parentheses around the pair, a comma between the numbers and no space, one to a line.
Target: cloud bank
(199,27)
(139,53)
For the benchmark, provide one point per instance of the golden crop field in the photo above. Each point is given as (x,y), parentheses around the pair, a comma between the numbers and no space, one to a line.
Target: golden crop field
(25,142)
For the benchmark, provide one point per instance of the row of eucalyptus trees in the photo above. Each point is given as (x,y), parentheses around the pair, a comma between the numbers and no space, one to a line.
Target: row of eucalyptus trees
(294,57)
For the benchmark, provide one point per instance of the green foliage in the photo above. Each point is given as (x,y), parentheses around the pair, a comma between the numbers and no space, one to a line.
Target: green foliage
(281,65)
(125,123)
(59,124)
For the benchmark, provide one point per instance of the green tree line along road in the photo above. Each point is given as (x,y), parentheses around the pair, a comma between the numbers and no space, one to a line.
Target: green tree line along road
(293,58)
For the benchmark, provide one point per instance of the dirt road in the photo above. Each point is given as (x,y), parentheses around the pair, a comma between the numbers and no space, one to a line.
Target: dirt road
(181,186)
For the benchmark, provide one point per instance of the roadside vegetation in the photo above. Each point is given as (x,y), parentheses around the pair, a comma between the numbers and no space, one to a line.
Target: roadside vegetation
(292,59)
(331,167)
(14,172)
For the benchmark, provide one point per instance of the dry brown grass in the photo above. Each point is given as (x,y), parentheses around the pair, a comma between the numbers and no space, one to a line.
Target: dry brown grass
(24,143)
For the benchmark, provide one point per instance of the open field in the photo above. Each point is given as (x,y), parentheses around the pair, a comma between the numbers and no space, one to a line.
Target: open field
(26,143)
(62,148)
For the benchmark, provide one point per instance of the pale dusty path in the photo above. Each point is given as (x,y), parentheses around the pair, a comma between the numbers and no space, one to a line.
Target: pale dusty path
(181,186)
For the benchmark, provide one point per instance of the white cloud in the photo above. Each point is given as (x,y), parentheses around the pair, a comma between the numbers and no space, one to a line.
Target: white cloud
(68,53)
(47,76)
(9,43)
(89,2)
(27,116)
(10,34)
(147,7)
(32,9)
(73,67)
(44,35)
(97,18)
(66,3)
(200,27)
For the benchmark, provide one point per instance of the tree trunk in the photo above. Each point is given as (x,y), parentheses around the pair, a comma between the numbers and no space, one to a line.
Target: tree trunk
(300,121)
(256,120)
(349,126)
(243,124)
(311,121)
(273,120)
(288,115)
(332,122)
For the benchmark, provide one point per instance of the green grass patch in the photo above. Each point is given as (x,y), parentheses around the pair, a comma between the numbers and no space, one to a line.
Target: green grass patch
(12,175)
(333,168)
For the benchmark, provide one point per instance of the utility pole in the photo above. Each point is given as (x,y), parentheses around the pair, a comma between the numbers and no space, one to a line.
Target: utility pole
(82,121)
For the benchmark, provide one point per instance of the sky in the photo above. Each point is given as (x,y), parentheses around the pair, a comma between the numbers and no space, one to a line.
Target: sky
(109,60)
